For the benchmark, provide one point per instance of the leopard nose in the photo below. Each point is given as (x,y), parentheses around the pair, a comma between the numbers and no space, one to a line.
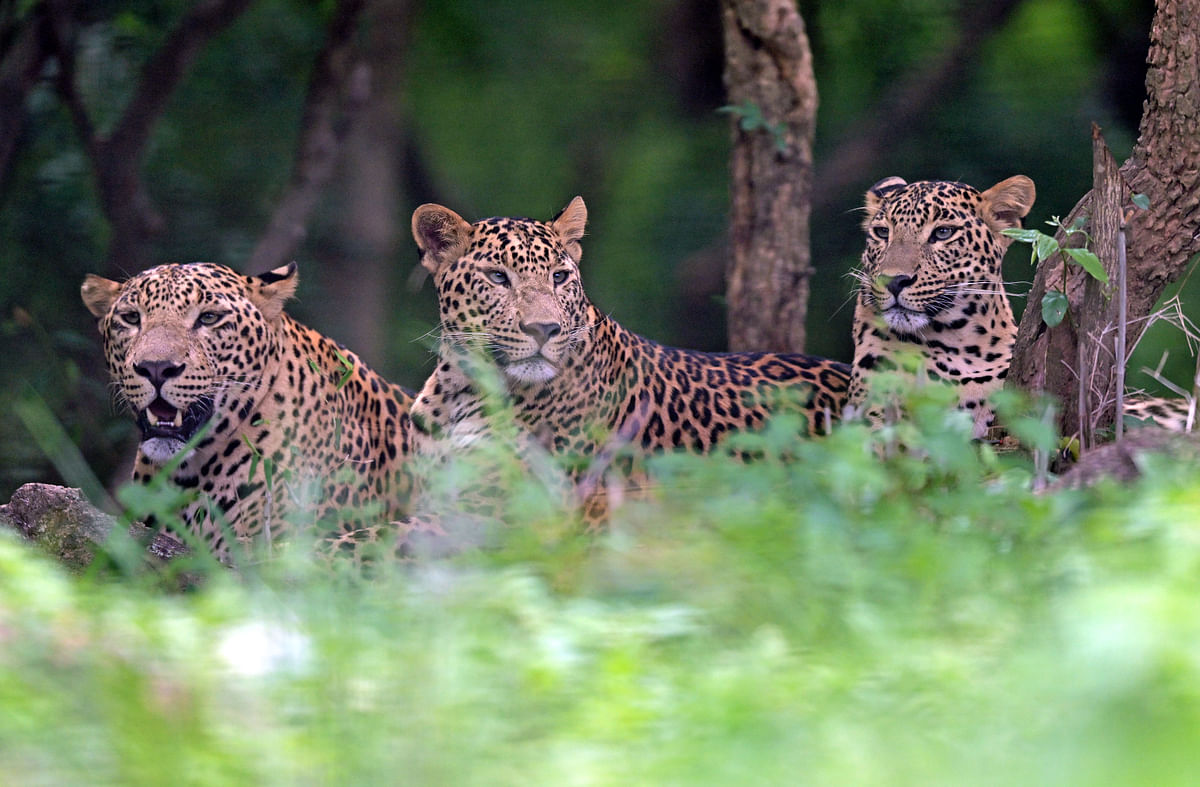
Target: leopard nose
(158,372)
(894,284)
(541,331)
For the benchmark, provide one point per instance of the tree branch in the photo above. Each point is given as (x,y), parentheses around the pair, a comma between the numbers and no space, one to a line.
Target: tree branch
(906,104)
(339,86)
(162,73)
(117,157)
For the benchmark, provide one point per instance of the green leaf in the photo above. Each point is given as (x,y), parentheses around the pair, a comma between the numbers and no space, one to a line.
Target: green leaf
(750,118)
(255,456)
(1141,201)
(1024,236)
(1054,307)
(1087,259)
(1045,246)
(347,370)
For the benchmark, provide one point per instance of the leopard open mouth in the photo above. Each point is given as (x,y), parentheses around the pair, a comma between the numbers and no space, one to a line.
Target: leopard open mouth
(162,419)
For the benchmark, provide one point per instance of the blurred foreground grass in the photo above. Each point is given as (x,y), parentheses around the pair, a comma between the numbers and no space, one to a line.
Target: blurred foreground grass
(818,617)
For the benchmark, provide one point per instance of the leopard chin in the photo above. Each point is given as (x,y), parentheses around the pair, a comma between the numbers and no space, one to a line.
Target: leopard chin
(905,320)
(161,450)
(536,370)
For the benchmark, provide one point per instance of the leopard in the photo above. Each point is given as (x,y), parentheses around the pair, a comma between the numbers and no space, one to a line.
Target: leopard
(930,286)
(265,424)
(1173,413)
(582,387)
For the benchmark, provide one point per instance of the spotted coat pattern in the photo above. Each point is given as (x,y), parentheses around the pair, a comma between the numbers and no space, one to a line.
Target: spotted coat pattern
(199,345)
(579,382)
(930,285)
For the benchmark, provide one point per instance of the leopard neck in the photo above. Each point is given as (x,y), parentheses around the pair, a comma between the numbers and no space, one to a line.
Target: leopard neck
(951,341)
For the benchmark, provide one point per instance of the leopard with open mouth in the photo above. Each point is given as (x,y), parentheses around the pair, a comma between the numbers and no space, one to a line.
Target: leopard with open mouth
(269,423)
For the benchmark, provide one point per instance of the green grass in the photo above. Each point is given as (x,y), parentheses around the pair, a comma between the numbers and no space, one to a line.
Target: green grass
(821,616)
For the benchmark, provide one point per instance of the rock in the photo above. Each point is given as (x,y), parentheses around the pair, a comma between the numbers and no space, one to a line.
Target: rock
(1122,461)
(62,522)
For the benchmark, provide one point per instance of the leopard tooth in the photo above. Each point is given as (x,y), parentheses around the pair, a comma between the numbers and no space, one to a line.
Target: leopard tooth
(179,418)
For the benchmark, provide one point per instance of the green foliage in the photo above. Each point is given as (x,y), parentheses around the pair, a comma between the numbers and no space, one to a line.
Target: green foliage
(751,119)
(1046,246)
(1055,305)
(820,616)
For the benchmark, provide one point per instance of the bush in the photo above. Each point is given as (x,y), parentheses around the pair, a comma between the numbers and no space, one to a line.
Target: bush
(820,615)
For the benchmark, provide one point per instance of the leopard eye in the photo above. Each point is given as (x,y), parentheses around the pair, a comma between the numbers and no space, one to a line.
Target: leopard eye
(942,233)
(497,277)
(131,318)
(559,277)
(880,232)
(209,318)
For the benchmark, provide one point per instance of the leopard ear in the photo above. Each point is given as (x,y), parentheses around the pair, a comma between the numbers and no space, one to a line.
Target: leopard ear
(569,224)
(441,234)
(98,293)
(1006,203)
(878,193)
(271,290)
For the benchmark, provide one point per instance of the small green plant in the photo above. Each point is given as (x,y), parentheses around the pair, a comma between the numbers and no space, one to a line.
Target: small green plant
(1054,302)
(750,118)
(1055,305)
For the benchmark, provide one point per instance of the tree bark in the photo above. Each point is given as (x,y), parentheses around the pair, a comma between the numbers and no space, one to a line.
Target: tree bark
(1165,166)
(773,99)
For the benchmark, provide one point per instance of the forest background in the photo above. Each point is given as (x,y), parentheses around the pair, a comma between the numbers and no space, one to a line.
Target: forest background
(513,109)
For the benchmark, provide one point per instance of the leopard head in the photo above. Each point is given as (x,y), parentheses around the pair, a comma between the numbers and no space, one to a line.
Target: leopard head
(185,343)
(931,243)
(509,287)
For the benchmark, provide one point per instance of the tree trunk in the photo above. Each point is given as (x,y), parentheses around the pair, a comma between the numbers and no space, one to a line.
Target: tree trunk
(20,66)
(362,269)
(1165,166)
(773,99)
